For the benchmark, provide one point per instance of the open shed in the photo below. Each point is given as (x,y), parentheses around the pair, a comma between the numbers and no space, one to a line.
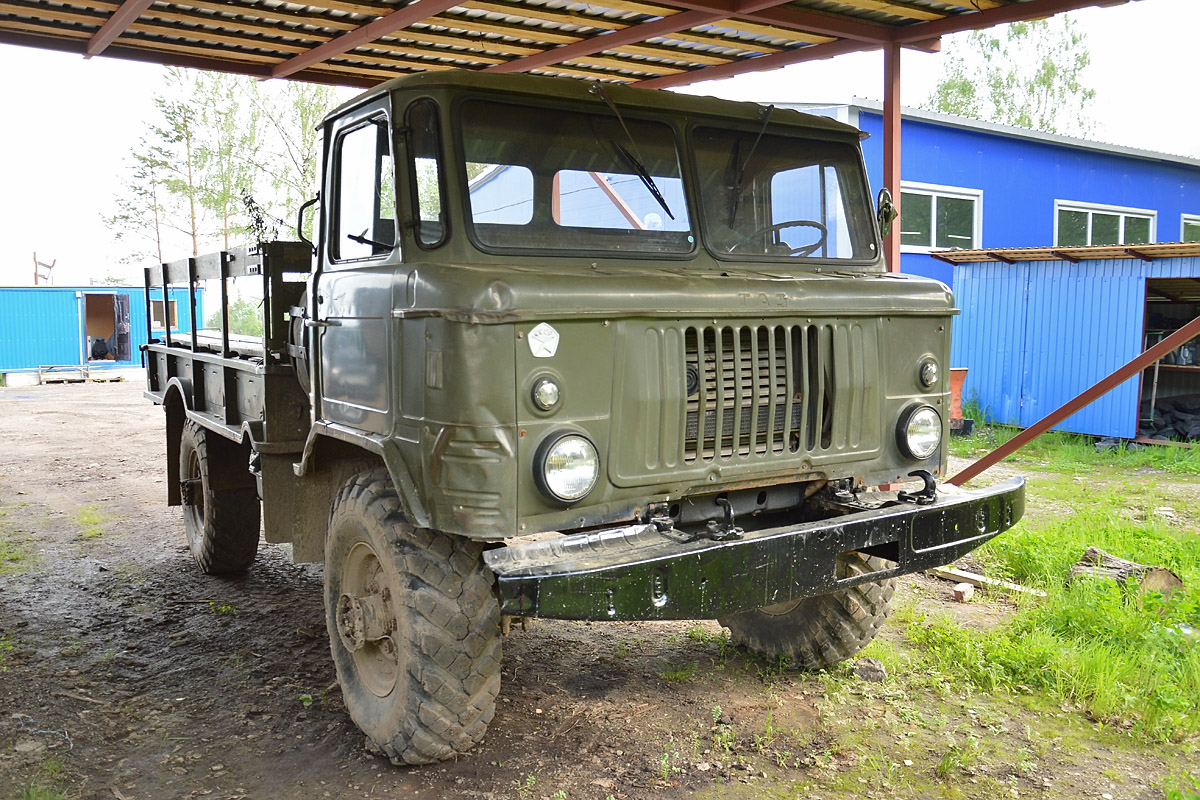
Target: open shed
(650,44)
(1041,325)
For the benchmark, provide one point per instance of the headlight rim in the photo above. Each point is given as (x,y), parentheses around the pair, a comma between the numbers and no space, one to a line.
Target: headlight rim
(905,420)
(539,466)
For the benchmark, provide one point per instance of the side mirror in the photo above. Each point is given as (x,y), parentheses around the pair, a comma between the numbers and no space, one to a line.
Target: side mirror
(300,222)
(886,213)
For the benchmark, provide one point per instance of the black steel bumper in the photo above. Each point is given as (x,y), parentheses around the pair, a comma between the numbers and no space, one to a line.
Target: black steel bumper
(638,572)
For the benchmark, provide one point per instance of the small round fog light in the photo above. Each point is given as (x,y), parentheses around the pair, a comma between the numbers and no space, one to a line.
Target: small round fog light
(928,372)
(545,394)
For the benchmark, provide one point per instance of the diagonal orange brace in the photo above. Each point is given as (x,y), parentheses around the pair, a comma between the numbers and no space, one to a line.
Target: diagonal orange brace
(1181,336)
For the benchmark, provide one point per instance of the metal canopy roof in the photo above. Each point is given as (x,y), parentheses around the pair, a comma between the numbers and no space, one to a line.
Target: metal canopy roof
(363,42)
(1011,255)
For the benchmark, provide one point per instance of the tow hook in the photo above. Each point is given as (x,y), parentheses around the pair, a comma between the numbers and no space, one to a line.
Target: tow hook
(924,496)
(727,529)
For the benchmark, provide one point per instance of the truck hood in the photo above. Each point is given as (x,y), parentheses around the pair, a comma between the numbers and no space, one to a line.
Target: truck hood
(512,293)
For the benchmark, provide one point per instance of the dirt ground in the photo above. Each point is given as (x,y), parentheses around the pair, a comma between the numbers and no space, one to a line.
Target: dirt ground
(127,674)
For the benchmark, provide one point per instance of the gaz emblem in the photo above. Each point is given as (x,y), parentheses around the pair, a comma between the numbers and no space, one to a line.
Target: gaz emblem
(543,341)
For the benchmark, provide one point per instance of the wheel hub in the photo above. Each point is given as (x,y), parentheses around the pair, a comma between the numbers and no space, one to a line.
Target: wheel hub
(365,618)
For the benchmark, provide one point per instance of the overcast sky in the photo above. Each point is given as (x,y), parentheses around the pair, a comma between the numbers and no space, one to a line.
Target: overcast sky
(70,122)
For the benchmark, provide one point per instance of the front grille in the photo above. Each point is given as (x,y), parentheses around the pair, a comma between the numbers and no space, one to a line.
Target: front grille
(758,390)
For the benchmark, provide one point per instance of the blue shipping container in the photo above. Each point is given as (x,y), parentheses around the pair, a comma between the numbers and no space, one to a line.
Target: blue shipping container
(49,325)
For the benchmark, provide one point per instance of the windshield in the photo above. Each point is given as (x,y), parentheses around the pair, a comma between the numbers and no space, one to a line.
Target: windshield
(548,179)
(782,197)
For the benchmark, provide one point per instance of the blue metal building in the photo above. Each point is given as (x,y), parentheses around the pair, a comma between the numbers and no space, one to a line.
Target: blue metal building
(1038,331)
(974,185)
(60,325)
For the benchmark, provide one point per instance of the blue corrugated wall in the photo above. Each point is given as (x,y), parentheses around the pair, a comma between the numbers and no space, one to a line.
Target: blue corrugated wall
(1037,333)
(40,326)
(1021,178)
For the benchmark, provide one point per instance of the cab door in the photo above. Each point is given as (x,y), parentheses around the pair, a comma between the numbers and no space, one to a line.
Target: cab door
(351,310)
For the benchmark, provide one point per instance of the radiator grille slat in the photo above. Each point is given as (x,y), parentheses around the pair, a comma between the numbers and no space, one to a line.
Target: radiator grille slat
(757,390)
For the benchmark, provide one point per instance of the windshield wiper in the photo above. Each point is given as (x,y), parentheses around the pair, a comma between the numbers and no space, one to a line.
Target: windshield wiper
(633,161)
(362,239)
(639,169)
(740,166)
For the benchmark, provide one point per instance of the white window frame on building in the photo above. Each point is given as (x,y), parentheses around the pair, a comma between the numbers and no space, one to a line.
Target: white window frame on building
(1091,209)
(1189,221)
(936,192)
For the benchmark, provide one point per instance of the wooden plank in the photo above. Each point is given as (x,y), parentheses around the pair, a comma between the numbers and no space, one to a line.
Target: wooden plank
(216,53)
(773,31)
(213,36)
(981,581)
(543,14)
(477,25)
(470,56)
(50,30)
(42,13)
(686,55)
(648,67)
(481,43)
(716,40)
(896,9)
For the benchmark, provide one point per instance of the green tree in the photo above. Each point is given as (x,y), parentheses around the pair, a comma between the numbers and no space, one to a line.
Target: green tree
(1027,74)
(245,318)
(141,212)
(227,150)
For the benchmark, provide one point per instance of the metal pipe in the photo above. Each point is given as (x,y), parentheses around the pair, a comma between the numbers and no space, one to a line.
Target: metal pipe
(1082,400)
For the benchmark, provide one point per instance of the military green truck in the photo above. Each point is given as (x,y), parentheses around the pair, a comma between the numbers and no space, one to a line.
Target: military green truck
(571,351)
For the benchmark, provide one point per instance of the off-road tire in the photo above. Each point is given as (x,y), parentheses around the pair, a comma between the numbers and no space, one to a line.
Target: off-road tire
(222,523)
(427,691)
(819,632)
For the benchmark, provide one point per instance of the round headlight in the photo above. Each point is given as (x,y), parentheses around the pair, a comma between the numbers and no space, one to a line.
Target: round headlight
(545,394)
(928,373)
(919,432)
(568,468)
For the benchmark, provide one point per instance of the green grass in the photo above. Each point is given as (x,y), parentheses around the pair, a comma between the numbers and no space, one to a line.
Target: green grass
(1127,658)
(13,557)
(90,522)
(1074,453)
(679,674)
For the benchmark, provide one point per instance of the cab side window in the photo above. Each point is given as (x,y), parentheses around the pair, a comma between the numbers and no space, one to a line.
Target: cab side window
(365,212)
(425,151)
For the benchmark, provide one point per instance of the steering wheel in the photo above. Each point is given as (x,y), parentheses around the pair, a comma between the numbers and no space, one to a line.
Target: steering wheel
(803,250)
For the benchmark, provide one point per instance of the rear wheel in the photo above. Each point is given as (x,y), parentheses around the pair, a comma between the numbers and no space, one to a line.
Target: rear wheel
(818,632)
(220,512)
(414,626)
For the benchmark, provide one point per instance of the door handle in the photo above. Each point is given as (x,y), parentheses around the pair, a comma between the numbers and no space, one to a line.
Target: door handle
(321,323)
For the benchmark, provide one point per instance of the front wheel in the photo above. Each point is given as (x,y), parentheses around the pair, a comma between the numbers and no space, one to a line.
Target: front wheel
(414,626)
(819,632)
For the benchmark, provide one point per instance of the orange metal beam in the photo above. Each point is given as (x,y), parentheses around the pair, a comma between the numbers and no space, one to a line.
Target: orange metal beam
(120,20)
(796,55)
(1181,336)
(891,148)
(605,41)
(388,24)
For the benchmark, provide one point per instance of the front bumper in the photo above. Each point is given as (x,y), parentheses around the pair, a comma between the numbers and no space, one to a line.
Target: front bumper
(638,572)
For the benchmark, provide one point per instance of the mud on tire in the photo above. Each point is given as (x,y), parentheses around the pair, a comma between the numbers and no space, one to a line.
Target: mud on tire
(223,515)
(414,626)
(818,632)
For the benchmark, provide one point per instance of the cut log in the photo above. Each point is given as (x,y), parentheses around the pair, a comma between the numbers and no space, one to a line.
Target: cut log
(1098,564)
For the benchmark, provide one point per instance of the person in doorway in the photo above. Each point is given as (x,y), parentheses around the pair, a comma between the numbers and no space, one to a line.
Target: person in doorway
(101,350)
